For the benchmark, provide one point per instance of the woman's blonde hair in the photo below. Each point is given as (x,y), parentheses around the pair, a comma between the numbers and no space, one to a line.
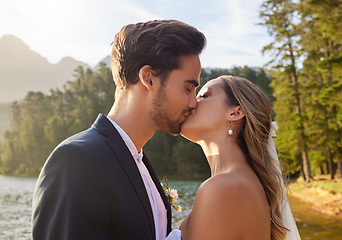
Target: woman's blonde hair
(253,140)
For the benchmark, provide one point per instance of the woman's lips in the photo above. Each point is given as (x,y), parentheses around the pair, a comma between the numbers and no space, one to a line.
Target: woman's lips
(187,115)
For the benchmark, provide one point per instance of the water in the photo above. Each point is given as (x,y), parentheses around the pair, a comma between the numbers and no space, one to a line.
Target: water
(16,197)
(15,207)
(313,224)
(186,195)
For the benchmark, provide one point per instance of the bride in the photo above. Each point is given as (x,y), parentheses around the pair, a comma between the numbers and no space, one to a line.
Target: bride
(244,198)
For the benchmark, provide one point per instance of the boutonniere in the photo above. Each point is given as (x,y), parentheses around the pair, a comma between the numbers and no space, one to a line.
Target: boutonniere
(171,194)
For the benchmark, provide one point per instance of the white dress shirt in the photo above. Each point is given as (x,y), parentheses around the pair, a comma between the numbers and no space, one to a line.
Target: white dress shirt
(157,204)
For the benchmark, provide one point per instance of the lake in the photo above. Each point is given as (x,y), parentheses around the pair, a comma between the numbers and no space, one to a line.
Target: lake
(16,196)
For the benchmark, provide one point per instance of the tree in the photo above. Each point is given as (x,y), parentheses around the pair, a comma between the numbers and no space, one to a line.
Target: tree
(41,121)
(280,16)
(321,40)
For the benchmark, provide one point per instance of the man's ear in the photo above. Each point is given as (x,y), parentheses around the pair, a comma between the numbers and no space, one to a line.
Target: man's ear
(236,113)
(146,76)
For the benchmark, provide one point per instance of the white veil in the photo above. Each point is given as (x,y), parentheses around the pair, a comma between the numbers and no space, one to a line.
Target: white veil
(288,219)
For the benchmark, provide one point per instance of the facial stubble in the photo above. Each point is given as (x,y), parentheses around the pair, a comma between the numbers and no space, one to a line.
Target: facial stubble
(161,115)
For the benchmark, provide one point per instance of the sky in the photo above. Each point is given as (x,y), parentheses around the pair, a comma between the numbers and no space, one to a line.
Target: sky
(84,29)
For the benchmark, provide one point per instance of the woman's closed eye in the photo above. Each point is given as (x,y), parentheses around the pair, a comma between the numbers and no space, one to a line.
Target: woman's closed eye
(204,95)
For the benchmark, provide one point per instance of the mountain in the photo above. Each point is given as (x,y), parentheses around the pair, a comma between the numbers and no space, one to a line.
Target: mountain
(106,60)
(23,70)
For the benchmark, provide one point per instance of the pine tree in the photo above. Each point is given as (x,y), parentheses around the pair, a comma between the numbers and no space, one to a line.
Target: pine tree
(321,40)
(280,16)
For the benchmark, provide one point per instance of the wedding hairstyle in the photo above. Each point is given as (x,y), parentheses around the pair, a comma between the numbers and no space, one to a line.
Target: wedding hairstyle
(253,141)
(157,43)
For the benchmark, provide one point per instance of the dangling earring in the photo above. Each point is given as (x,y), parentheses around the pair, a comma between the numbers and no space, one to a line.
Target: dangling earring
(230,131)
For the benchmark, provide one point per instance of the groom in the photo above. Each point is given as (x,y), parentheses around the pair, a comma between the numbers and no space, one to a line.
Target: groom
(99,184)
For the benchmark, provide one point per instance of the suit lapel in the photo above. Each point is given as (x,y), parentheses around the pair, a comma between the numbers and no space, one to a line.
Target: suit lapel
(115,142)
(160,190)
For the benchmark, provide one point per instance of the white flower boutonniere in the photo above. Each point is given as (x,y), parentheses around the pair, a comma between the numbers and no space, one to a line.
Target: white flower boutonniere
(171,194)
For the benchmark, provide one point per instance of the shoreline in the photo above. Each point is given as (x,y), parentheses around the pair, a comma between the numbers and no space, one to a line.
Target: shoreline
(328,202)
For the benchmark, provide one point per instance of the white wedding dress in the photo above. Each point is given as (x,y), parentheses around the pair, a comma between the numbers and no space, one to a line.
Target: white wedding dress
(288,219)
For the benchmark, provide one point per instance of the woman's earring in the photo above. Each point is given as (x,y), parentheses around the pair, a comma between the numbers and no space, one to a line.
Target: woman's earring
(230,131)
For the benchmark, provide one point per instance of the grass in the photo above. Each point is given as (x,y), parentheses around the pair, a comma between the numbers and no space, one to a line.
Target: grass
(330,186)
(320,181)
(297,186)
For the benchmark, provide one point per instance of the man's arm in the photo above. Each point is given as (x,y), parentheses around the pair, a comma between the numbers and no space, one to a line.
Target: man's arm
(70,199)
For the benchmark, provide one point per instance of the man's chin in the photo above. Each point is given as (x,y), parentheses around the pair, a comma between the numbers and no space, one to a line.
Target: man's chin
(172,133)
(173,130)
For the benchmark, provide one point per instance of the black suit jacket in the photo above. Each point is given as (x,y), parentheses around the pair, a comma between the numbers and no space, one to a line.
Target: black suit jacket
(91,188)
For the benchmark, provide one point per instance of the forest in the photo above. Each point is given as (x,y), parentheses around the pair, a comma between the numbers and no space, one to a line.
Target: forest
(303,78)
(42,121)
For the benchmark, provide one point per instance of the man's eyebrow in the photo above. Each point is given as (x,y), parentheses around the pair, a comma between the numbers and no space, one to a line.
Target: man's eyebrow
(194,82)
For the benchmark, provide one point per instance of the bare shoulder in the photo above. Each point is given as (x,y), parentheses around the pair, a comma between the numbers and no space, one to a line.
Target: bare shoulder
(225,187)
(227,205)
(233,193)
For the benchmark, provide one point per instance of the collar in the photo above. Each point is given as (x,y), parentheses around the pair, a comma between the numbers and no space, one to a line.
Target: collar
(128,141)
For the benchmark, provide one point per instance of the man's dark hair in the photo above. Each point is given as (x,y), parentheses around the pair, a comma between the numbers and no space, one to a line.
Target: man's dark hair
(157,43)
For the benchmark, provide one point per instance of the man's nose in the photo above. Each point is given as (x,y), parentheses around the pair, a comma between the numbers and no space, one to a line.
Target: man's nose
(192,102)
